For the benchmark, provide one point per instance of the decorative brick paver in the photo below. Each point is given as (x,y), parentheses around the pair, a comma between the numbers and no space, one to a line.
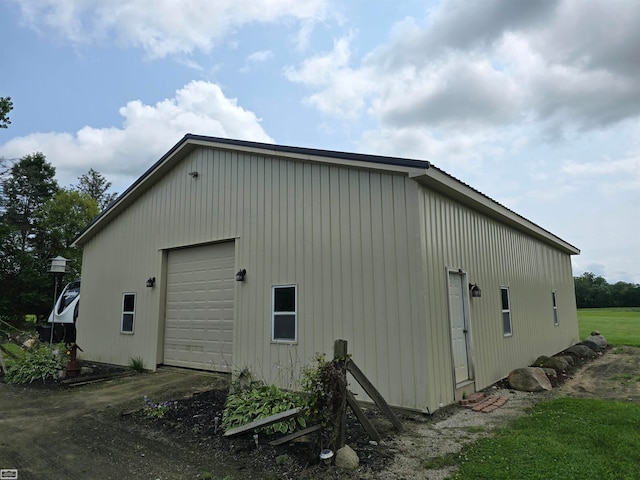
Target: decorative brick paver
(473,399)
(480,402)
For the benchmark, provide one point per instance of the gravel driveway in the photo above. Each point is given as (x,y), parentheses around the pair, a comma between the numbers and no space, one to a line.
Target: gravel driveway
(78,432)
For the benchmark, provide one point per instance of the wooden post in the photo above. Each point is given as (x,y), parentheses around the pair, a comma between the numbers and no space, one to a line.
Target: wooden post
(340,425)
(362,418)
(4,367)
(374,394)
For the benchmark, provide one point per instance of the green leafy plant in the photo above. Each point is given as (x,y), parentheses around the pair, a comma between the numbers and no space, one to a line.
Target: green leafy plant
(37,363)
(157,410)
(245,406)
(323,384)
(136,364)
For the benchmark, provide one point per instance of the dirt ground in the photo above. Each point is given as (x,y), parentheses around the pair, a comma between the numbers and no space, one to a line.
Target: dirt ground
(615,376)
(97,430)
(79,432)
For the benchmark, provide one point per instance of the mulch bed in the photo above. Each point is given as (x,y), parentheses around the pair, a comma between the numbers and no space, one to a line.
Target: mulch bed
(194,421)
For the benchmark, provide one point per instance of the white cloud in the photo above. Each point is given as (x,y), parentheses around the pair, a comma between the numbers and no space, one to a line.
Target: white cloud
(148,131)
(345,89)
(162,27)
(625,166)
(256,58)
(450,150)
(492,62)
(457,91)
(610,177)
(261,56)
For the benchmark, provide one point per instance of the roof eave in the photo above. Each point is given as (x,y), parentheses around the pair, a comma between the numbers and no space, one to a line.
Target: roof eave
(439,180)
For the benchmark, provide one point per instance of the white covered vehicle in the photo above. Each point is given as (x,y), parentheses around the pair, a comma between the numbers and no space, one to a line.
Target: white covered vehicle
(61,324)
(66,308)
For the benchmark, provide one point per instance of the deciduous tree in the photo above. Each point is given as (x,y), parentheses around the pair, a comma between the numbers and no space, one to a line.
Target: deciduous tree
(96,186)
(23,278)
(594,291)
(6,105)
(59,221)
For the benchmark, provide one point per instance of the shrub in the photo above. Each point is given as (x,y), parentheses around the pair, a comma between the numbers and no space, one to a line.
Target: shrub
(323,384)
(245,406)
(37,363)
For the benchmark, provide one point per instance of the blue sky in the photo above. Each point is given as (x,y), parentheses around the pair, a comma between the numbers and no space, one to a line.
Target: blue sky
(536,104)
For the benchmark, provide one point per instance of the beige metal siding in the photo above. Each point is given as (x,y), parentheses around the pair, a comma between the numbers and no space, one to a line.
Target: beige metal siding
(492,254)
(199,310)
(346,237)
(369,253)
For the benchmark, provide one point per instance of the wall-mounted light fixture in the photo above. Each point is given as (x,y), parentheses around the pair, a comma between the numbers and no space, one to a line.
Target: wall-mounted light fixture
(241,274)
(475,290)
(151,282)
(194,174)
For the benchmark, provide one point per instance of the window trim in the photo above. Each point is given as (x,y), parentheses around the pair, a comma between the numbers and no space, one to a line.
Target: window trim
(274,313)
(507,310)
(554,300)
(128,312)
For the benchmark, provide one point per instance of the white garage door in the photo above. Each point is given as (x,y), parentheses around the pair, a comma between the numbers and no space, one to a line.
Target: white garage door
(199,315)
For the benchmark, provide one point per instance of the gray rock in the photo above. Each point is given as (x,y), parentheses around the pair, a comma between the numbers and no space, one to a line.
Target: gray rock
(346,458)
(567,358)
(529,379)
(597,339)
(550,372)
(581,351)
(557,363)
(591,345)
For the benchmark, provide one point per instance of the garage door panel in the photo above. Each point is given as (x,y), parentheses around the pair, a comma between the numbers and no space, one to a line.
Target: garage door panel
(199,310)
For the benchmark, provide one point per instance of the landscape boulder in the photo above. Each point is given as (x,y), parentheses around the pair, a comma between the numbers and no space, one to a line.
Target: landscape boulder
(529,379)
(346,458)
(558,364)
(567,358)
(581,351)
(597,339)
(593,346)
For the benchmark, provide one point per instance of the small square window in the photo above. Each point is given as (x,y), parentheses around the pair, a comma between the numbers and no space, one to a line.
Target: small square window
(128,312)
(554,299)
(507,329)
(284,314)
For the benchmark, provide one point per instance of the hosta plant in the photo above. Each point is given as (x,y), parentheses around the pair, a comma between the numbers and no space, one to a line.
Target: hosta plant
(245,406)
(39,363)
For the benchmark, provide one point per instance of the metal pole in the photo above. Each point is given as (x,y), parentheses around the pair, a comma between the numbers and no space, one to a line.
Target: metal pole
(53,312)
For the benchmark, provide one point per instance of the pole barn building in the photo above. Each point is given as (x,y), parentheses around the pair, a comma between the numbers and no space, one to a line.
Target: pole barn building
(229,254)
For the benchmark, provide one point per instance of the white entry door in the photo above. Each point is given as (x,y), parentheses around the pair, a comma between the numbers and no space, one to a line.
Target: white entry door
(459,327)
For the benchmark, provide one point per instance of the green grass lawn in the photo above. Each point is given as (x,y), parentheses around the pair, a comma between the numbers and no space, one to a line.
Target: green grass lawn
(620,326)
(567,438)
